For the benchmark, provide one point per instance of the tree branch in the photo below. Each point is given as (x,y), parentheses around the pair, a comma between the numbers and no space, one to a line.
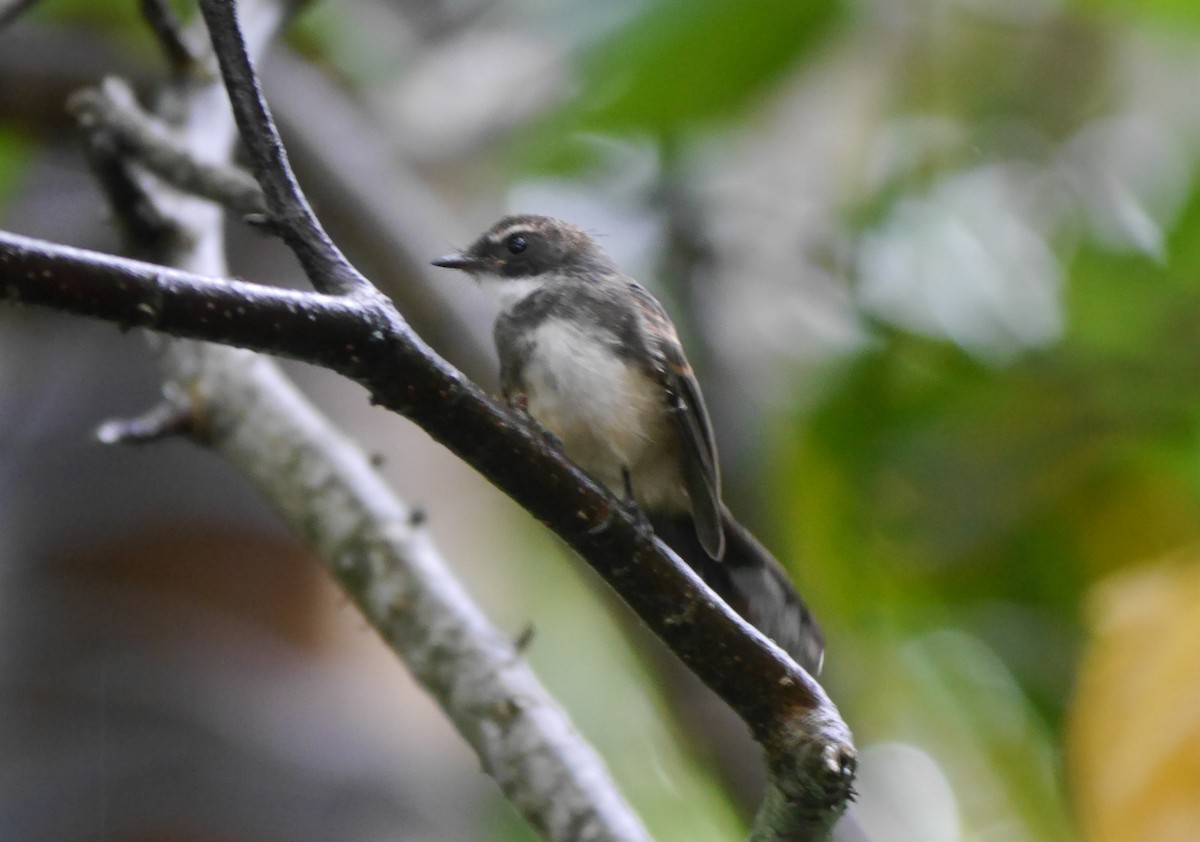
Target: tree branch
(111,111)
(131,293)
(290,213)
(809,753)
(174,415)
(381,208)
(244,408)
(328,493)
(361,191)
(174,44)
(368,342)
(808,747)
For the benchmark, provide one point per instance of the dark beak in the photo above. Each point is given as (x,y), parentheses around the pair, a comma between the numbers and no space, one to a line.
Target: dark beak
(458,261)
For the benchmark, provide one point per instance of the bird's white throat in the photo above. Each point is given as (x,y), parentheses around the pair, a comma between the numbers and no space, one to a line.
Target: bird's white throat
(508,291)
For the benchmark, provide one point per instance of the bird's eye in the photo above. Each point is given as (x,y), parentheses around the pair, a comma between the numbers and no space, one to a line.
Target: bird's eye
(517,244)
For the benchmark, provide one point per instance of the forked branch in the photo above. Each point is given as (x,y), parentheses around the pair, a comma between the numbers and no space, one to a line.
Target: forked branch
(349,327)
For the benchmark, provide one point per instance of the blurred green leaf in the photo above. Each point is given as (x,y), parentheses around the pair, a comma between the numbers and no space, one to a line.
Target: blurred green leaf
(689,60)
(343,45)
(928,487)
(118,16)
(1133,307)
(15,150)
(1162,11)
(120,22)
(679,64)
(949,694)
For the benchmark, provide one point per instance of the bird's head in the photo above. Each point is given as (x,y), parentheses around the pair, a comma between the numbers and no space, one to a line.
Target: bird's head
(529,248)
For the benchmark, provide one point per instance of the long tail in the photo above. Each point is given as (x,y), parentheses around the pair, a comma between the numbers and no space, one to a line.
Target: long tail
(753,583)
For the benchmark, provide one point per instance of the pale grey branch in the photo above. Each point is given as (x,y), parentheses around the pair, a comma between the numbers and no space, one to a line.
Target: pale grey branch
(244,408)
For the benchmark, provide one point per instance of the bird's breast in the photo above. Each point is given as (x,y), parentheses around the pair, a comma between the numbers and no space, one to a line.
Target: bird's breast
(609,414)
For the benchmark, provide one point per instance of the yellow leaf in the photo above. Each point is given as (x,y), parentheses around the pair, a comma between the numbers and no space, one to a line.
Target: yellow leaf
(1133,741)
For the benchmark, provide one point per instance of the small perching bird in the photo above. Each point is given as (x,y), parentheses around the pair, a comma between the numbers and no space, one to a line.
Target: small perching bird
(593,357)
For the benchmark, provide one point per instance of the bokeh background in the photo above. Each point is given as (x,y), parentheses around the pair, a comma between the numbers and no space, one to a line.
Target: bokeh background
(936,262)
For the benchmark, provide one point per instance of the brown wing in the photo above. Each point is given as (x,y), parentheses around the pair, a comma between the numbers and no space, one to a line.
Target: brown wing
(701,472)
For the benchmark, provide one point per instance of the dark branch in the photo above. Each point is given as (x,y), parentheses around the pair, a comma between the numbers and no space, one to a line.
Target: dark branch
(131,293)
(291,215)
(362,336)
(382,209)
(361,188)
(786,709)
(180,55)
(139,220)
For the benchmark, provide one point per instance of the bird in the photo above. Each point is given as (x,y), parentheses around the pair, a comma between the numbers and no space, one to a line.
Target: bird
(593,358)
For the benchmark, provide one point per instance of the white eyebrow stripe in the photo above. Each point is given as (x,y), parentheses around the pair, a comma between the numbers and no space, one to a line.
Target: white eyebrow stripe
(515,228)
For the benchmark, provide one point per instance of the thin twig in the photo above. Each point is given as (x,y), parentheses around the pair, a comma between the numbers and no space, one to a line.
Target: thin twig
(291,215)
(172,416)
(151,234)
(140,220)
(180,55)
(139,136)
(381,209)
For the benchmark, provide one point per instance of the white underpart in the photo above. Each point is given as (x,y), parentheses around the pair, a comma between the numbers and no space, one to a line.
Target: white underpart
(609,415)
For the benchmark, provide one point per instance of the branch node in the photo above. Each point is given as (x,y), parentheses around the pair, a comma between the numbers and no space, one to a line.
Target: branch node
(326,267)
(264,223)
(112,115)
(147,230)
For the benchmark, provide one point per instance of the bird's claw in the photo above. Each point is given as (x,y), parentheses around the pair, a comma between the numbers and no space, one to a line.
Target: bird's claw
(641,522)
(602,525)
(552,440)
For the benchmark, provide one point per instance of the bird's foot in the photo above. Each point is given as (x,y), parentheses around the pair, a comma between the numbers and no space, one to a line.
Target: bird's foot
(604,522)
(641,521)
(552,440)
